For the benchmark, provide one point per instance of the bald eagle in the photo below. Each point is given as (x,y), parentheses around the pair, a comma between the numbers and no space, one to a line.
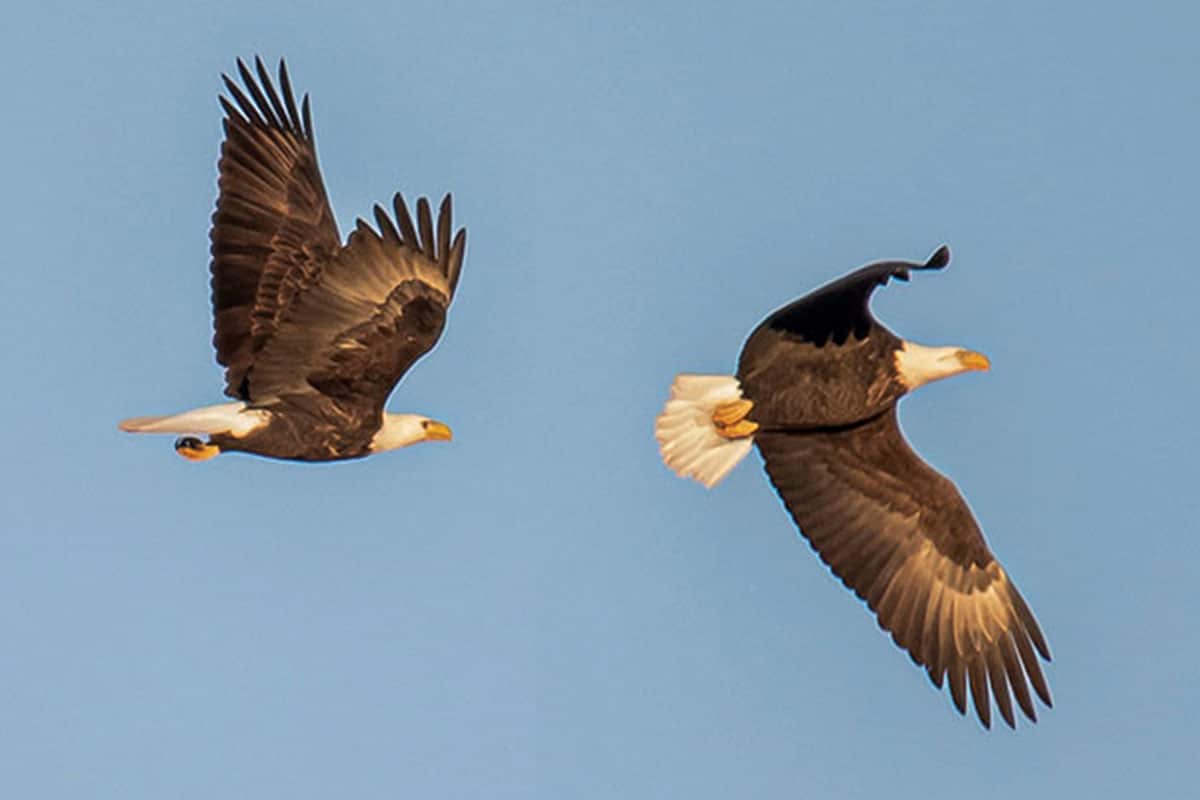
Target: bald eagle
(313,333)
(816,390)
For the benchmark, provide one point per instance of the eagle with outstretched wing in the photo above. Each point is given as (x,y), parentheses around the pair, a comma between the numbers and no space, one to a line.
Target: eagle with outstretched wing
(314,334)
(816,390)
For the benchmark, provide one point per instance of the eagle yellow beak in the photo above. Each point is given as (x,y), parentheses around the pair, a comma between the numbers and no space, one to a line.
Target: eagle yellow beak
(437,431)
(917,365)
(971,360)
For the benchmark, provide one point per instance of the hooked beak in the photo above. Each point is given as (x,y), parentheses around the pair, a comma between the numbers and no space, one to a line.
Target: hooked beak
(970,360)
(437,431)
(918,365)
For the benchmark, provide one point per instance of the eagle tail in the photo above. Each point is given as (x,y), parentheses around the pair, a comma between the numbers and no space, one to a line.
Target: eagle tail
(231,418)
(690,439)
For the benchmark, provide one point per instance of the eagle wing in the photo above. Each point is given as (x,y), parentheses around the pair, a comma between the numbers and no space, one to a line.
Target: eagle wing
(273,229)
(840,308)
(899,534)
(375,308)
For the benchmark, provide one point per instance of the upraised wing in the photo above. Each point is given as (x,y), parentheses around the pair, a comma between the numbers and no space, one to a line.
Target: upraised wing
(376,308)
(841,308)
(273,229)
(824,360)
(901,537)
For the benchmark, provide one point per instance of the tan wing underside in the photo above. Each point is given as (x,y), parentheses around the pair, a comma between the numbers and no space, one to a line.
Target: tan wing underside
(900,536)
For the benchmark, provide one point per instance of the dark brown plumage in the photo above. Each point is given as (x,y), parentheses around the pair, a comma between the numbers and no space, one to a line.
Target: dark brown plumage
(816,390)
(821,374)
(824,359)
(313,334)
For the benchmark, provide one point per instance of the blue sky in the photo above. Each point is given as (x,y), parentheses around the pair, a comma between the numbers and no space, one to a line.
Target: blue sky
(540,609)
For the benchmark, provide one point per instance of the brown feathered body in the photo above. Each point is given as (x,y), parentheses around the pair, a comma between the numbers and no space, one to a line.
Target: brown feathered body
(823,379)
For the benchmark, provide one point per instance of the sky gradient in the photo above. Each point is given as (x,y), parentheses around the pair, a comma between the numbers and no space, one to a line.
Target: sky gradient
(540,609)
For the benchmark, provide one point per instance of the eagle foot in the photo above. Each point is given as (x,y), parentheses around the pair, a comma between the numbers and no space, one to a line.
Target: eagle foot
(730,419)
(194,449)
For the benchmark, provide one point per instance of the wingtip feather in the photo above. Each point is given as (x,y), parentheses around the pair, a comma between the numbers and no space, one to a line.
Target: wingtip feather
(404,220)
(426,243)
(939,259)
(457,248)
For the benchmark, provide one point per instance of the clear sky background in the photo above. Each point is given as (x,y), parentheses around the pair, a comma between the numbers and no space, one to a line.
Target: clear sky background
(539,609)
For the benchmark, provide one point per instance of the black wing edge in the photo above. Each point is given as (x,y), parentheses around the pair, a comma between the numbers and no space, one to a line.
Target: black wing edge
(264,107)
(437,247)
(839,309)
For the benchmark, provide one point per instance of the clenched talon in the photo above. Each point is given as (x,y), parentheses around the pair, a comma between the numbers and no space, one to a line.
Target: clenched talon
(730,419)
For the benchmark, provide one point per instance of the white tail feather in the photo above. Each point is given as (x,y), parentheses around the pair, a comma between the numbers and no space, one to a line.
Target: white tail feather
(688,439)
(230,418)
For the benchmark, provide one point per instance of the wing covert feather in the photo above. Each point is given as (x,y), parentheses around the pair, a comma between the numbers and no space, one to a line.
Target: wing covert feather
(377,307)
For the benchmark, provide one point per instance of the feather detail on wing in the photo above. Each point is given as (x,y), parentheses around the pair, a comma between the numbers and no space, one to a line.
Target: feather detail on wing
(376,308)
(901,537)
(273,229)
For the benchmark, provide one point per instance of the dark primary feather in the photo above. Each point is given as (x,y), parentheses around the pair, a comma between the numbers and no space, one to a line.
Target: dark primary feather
(901,537)
(273,228)
(840,308)
(296,314)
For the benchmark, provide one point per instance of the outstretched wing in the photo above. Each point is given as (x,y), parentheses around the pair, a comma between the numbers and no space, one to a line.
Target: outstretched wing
(840,308)
(273,228)
(900,536)
(376,308)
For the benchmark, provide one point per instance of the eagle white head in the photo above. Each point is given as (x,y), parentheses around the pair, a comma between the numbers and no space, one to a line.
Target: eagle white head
(401,430)
(918,365)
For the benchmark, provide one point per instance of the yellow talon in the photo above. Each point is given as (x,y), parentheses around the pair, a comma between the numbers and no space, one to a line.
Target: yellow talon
(730,419)
(193,449)
(731,413)
(738,430)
